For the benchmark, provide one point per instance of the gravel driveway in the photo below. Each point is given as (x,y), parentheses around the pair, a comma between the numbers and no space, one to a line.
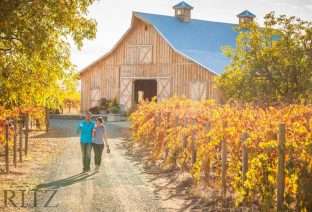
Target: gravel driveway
(121,184)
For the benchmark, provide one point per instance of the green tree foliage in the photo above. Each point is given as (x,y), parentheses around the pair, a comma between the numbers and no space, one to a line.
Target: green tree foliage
(270,64)
(35,50)
(70,93)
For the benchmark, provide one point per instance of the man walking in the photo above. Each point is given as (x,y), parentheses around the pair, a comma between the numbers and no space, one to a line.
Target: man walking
(86,127)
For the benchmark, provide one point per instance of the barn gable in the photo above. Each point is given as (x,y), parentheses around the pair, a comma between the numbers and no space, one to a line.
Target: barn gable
(143,34)
(160,56)
(197,40)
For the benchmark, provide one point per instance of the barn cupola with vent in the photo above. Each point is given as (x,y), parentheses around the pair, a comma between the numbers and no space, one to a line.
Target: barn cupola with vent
(245,17)
(183,11)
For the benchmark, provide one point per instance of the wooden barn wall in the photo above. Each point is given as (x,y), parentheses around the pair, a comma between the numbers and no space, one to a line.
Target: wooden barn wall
(165,63)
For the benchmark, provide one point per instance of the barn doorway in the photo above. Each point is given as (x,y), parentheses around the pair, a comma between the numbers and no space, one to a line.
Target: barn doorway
(144,89)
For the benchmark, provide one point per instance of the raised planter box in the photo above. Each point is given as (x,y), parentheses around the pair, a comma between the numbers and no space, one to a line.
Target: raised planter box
(110,117)
(116,117)
(71,117)
(106,117)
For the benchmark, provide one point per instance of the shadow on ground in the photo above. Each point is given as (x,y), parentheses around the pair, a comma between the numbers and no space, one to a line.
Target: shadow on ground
(78,178)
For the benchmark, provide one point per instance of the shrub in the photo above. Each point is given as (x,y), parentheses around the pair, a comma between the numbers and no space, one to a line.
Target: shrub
(115,109)
(114,102)
(104,103)
(95,110)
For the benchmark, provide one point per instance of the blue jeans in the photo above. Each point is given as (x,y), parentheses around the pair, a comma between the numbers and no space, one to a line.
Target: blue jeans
(98,149)
(86,156)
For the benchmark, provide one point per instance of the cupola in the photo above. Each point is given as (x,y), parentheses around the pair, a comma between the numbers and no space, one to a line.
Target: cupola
(183,11)
(246,17)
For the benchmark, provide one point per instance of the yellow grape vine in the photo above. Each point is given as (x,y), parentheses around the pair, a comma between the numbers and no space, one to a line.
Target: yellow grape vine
(15,113)
(173,127)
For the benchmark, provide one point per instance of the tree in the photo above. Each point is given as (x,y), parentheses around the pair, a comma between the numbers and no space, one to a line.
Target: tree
(35,50)
(270,64)
(70,93)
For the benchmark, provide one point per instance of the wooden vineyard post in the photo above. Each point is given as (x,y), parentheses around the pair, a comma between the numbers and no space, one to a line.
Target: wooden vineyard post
(157,124)
(223,166)
(7,147)
(177,121)
(207,162)
(14,142)
(177,124)
(174,160)
(194,151)
(156,120)
(31,123)
(244,155)
(184,137)
(26,133)
(47,121)
(223,171)
(167,126)
(20,132)
(281,167)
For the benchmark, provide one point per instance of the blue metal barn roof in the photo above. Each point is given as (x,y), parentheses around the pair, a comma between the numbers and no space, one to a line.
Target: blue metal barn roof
(198,40)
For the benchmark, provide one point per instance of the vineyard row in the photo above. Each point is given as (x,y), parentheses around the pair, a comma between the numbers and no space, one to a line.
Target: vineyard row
(15,126)
(246,154)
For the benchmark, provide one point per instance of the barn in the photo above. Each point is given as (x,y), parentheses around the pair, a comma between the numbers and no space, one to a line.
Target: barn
(161,56)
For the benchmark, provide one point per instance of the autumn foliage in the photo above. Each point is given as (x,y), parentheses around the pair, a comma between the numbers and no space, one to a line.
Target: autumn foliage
(187,134)
(8,115)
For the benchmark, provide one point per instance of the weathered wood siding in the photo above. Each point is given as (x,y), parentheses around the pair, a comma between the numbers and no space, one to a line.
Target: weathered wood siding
(166,63)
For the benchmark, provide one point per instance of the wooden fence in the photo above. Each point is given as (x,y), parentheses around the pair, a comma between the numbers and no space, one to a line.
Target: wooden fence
(16,138)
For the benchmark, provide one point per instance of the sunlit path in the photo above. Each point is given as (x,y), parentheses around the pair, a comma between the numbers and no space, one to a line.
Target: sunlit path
(120,185)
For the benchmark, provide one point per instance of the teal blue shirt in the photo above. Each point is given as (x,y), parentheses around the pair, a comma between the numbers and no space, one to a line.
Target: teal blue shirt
(85,129)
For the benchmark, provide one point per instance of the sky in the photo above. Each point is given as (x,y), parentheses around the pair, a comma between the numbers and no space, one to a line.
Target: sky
(114,17)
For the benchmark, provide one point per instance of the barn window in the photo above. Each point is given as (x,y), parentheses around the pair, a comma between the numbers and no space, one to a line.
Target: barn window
(198,90)
(145,54)
(139,54)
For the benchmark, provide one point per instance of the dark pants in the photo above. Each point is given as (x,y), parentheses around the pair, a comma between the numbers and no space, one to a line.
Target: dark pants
(86,156)
(98,149)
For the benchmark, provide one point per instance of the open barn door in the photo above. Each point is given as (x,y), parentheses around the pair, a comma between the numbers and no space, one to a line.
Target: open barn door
(163,88)
(144,89)
(126,93)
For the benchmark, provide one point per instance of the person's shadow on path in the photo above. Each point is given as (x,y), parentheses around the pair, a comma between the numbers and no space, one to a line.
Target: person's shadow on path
(66,181)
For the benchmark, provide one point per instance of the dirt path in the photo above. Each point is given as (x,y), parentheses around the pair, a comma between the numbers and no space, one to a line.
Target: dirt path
(121,184)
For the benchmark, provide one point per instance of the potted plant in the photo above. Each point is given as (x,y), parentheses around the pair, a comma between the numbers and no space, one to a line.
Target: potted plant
(104,105)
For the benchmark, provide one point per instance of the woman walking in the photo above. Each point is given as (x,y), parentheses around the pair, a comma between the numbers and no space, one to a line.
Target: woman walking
(99,134)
